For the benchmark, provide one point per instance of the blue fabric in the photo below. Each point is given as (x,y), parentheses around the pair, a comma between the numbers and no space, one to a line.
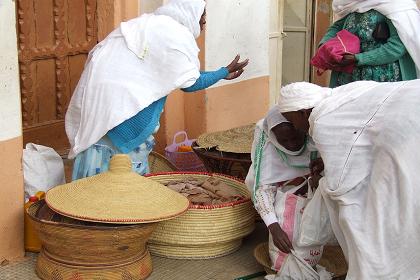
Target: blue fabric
(131,133)
(207,79)
(96,159)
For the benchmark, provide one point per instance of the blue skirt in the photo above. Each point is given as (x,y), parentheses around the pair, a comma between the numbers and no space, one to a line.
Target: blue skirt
(96,159)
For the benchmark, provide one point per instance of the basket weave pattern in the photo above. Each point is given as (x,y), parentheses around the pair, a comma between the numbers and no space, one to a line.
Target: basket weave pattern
(47,268)
(203,232)
(99,251)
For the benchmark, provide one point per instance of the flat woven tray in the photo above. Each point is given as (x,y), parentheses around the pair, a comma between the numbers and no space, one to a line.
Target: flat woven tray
(236,140)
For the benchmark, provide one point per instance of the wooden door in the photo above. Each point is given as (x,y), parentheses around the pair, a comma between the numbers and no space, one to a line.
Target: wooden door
(276,48)
(297,26)
(54,38)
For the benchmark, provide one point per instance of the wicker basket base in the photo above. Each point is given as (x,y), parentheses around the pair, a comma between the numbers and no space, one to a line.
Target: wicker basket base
(48,269)
(197,252)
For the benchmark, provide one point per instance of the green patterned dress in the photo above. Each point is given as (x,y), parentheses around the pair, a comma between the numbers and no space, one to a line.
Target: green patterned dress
(378,61)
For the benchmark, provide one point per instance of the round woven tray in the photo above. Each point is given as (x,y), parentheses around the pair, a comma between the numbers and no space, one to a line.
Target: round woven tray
(236,165)
(237,140)
(332,259)
(73,244)
(203,231)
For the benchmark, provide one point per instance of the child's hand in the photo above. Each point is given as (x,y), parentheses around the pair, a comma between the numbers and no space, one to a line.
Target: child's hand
(280,238)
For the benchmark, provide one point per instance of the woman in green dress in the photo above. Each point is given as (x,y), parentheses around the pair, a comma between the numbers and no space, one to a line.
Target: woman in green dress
(384,56)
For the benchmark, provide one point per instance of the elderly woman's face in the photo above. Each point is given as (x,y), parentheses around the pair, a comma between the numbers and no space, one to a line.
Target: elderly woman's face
(299,119)
(203,20)
(289,137)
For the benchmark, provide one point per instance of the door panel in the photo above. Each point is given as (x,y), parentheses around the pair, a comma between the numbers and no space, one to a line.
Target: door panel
(297,42)
(54,38)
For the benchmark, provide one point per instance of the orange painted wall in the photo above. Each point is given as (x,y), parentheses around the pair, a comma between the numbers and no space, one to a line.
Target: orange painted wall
(236,104)
(11,207)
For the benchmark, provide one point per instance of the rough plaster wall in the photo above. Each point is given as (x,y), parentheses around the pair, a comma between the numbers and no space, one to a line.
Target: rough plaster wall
(10,117)
(148,6)
(238,27)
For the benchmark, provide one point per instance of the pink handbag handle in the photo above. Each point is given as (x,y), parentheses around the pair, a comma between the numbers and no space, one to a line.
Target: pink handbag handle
(178,134)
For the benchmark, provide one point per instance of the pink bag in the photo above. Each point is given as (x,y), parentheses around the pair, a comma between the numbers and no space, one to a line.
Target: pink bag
(184,161)
(331,53)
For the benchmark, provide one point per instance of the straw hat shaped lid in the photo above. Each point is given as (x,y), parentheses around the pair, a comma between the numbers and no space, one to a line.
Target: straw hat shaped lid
(119,196)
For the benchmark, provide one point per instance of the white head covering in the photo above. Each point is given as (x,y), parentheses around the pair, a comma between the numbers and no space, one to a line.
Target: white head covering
(404,14)
(186,12)
(273,169)
(301,95)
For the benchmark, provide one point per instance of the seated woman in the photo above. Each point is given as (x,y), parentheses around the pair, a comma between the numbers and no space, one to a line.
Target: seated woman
(281,157)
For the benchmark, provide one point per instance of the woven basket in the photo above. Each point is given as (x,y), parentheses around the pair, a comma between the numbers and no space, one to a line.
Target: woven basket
(159,163)
(232,164)
(204,231)
(49,269)
(98,247)
(332,259)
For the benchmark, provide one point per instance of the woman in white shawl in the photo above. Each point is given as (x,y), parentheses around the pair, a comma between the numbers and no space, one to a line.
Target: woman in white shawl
(281,157)
(117,103)
(367,134)
(389,40)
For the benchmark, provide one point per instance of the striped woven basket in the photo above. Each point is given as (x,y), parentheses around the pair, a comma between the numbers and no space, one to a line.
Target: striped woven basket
(204,231)
(74,249)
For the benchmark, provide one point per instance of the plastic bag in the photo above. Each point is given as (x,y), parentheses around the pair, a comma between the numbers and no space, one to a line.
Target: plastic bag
(43,169)
(295,268)
(289,209)
(316,227)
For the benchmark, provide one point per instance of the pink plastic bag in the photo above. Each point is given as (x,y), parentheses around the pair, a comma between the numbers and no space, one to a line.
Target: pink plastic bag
(184,161)
(331,53)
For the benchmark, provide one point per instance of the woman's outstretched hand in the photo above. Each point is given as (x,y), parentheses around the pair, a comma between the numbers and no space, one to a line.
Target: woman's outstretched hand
(280,238)
(236,68)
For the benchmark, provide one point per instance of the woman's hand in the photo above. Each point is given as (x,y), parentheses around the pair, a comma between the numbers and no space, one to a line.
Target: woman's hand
(280,238)
(316,166)
(348,59)
(314,181)
(236,68)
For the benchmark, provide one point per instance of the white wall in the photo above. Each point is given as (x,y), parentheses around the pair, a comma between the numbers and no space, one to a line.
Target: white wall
(238,27)
(148,6)
(10,115)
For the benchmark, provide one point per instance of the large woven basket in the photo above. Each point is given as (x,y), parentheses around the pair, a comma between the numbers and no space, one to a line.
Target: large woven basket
(332,259)
(105,251)
(204,231)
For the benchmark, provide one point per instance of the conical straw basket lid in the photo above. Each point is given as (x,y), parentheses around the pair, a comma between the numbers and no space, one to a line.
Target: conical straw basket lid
(118,196)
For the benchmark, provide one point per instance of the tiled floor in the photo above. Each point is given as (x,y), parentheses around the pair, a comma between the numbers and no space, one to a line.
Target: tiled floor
(229,267)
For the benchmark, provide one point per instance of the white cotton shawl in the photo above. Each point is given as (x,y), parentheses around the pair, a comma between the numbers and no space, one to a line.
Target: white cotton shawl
(404,14)
(139,63)
(367,134)
(273,169)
